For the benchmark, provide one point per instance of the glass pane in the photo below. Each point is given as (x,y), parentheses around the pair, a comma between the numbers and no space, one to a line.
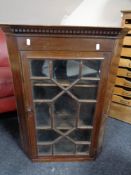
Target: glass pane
(84,92)
(64,146)
(82,148)
(59,117)
(44,150)
(65,70)
(86,114)
(65,112)
(40,68)
(81,135)
(45,92)
(36,82)
(91,68)
(87,83)
(63,130)
(42,114)
(47,135)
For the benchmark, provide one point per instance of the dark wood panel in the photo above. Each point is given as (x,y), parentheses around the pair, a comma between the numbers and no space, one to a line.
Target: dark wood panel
(18,86)
(65,55)
(63,159)
(61,43)
(99,113)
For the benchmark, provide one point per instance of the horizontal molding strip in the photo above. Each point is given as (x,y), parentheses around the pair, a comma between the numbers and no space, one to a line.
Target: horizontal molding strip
(64,30)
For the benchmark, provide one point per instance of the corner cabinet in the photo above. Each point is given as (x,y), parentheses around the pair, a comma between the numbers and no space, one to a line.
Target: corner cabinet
(63,86)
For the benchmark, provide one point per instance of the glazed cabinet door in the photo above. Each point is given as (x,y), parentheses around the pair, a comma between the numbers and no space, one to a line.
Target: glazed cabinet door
(63,97)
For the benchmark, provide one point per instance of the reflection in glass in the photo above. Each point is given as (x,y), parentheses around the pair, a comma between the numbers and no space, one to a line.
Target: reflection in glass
(63,130)
(82,148)
(86,114)
(47,135)
(35,82)
(44,149)
(65,111)
(65,70)
(64,124)
(81,135)
(42,114)
(90,68)
(86,83)
(84,92)
(40,68)
(45,92)
(64,146)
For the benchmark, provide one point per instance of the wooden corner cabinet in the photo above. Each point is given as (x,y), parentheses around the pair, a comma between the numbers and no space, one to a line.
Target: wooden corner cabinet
(63,87)
(120,107)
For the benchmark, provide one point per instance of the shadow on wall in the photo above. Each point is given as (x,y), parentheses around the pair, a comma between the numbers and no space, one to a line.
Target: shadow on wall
(111,13)
(66,8)
(88,13)
(97,13)
(66,12)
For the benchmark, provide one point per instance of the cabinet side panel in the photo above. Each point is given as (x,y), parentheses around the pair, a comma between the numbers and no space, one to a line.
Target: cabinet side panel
(17,79)
(99,120)
(112,73)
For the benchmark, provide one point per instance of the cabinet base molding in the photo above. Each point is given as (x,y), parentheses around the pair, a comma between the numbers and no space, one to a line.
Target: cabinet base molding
(62,159)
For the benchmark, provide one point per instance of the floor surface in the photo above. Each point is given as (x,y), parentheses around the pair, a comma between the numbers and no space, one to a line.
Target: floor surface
(115,158)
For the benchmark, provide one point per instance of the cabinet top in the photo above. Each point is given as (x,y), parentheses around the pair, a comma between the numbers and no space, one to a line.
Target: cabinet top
(126,11)
(86,31)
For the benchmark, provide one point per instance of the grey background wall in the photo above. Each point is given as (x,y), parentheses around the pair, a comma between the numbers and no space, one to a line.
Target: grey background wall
(63,12)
